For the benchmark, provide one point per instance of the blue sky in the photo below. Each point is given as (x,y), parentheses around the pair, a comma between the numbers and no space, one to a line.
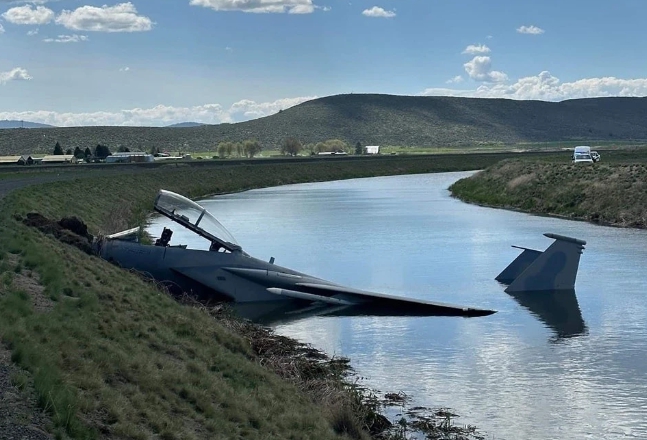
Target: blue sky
(82,62)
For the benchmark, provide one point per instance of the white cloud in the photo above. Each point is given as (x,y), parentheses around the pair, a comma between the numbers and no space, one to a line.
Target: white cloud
(476,49)
(376,11)
(480,69)
(32,32)
(28,15)
(16,74)
(454,80)
(251,109)
(160,115)
(34,2)
(547,87)
(67,39)
(258,6)
(229,49)
(124,69)
(533,30)
(1,29)
(119,18)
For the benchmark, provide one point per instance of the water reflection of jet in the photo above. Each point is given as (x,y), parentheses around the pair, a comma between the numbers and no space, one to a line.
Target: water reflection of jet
(558,310)
(272,313)
(544,283)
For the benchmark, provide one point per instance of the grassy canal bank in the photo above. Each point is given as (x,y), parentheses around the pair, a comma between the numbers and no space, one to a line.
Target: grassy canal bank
(109,355)
(612,193)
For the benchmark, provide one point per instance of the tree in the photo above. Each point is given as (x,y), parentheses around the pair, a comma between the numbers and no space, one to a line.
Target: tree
(68,151)
(102,151)
(123,149)
(252,147)
(58,149)
(87,152)
(78,153)
(224,149)
(155,151)
(291,147)
(358,148)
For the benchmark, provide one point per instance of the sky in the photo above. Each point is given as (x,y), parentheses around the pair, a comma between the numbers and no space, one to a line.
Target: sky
(154,63)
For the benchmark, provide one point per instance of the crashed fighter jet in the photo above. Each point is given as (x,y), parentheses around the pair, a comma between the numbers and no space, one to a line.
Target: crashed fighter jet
(227,273)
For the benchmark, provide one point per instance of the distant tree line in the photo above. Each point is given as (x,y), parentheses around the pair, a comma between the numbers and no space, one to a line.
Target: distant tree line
(248,148)
(100,151)
(290,146)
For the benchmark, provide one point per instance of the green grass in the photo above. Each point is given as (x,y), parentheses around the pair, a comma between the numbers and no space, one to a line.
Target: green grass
(611,193)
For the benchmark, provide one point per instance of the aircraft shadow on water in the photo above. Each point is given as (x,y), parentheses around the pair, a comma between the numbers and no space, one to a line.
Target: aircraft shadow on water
(544,283)
(261,289)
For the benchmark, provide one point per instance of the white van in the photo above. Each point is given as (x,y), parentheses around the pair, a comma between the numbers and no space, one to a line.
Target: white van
(582,154)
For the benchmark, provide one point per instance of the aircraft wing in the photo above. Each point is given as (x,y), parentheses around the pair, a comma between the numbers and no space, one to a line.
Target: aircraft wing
(389,302)
(305,288)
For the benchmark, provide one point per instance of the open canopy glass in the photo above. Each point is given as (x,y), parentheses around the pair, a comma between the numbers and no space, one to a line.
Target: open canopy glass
(193,216)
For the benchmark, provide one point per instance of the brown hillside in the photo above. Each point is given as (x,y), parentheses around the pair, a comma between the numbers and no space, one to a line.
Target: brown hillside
(375,119)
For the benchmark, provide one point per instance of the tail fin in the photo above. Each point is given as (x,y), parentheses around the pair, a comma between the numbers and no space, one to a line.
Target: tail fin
(521,263)
(554,269)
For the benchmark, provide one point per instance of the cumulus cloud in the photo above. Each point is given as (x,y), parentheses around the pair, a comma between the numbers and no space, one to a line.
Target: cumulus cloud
(1,29)
(480,69)
(122,17)
(258,6)
(35,2)
(29,15)
(247,109)
(32,32)
(533,30)
(476,49)
(547,87)
(160,115)
(16,74)
(378,12)
(67,39)
(454,80)
(124,69)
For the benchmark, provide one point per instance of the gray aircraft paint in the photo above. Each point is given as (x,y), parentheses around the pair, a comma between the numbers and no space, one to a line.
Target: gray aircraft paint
(226,272)
(555,269)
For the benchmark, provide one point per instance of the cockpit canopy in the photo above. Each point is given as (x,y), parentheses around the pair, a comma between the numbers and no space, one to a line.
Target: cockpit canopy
(196,218)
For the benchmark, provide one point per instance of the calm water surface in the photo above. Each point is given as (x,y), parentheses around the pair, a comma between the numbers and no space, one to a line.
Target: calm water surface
(573,368)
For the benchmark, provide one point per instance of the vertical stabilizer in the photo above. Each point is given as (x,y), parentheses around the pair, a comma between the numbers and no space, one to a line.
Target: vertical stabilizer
(521,263)
(554,269)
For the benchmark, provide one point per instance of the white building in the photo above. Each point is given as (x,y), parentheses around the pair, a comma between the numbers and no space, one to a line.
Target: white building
(372,149)
(130,156)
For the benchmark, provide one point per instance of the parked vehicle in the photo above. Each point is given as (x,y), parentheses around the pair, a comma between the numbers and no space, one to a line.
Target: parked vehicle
(595,156)
(582,154)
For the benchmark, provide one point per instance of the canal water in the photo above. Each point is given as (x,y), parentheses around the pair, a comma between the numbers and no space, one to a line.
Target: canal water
(571,367)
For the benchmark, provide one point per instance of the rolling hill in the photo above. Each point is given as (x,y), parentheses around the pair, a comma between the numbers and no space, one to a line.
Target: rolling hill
(185,125)
(414,121)
(5,123)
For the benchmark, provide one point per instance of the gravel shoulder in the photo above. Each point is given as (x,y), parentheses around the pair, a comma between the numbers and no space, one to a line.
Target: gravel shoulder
(20,416)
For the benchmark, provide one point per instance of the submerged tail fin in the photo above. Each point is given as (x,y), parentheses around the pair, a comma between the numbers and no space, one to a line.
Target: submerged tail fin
(554,269)
(521,263)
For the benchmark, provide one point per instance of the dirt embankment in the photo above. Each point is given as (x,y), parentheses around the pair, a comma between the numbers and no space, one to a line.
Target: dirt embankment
(611,194)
